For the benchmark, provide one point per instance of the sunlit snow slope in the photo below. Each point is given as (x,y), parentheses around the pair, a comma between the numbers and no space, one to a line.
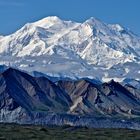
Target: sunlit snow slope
(68,49)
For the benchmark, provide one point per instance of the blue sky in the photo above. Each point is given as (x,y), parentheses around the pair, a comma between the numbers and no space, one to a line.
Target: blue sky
(15,13)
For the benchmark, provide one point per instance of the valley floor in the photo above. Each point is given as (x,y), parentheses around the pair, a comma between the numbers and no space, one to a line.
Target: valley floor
(28,132)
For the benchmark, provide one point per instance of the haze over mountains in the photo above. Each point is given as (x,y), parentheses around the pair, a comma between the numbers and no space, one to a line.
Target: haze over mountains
(60,48)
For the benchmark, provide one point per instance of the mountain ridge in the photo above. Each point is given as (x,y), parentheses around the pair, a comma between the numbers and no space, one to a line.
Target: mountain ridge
(31,100)
(90,49)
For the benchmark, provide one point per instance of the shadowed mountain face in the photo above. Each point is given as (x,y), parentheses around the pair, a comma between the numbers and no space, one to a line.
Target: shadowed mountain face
(23,96)
(33,94)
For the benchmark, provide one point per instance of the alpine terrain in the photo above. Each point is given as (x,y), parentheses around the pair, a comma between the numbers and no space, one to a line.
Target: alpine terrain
(67,73)
(60,48)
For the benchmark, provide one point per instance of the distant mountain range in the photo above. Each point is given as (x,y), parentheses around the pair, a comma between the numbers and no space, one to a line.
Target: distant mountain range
(66,49)
(37,100)
(66,73)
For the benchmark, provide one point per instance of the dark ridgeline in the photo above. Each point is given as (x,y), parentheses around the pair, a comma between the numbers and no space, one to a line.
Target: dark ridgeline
(27,99)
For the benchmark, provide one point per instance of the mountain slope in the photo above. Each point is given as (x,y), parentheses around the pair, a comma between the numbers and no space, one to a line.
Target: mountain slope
(19,89)
(26,99)
(106,99)
(68,49)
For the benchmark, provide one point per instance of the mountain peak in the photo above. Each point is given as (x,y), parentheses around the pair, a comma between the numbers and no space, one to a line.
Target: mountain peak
(53,18)
(48,21)
(73,48)
(11,71)
(93,21)
(117,27)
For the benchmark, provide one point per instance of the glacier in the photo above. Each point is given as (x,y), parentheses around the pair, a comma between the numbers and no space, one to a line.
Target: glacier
(68,49)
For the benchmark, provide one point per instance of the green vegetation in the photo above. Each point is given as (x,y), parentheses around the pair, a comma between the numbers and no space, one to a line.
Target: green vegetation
(28,132)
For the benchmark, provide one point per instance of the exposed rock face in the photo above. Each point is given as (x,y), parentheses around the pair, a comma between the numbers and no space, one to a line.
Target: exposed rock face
(27,99)
(107,99)
(20,89)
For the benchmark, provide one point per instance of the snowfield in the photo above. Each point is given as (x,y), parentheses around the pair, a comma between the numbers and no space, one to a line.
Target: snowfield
(59,48)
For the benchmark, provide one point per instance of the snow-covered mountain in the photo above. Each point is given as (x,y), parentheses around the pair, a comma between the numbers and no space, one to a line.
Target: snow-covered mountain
(1,37)
(91,49)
